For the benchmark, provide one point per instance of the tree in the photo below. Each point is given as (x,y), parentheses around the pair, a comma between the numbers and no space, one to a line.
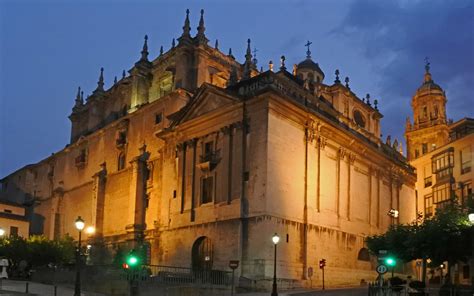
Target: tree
(444,237)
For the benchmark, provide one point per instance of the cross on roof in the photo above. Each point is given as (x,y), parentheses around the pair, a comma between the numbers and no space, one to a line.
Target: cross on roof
(308,52)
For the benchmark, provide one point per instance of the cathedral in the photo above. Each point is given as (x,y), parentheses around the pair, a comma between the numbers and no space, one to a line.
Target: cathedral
(202,159)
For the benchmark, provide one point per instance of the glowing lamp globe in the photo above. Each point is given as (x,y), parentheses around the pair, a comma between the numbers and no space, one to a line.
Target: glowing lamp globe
(79,223)
(275,238)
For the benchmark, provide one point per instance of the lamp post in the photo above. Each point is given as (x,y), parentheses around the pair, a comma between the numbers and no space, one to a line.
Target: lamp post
(275,240)
(79,223)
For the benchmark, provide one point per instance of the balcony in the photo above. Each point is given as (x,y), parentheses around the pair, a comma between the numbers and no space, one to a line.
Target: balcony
(208,161)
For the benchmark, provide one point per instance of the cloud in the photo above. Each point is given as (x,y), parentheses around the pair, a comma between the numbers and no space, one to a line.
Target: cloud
(397,36)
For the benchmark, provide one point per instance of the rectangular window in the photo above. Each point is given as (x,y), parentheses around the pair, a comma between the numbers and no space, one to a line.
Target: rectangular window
(424,148)
(466,192)
(428,205)
(13,231)
(465,160)
(158,118)
(207,187)
(207,152)
(7,211)
(442,164)
(441,193)
(427,175)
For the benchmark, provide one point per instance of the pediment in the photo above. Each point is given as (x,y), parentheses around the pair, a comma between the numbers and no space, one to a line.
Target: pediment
(207,101)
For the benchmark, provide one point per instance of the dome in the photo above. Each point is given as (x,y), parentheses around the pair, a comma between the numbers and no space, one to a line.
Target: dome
(308,64)
(428,83)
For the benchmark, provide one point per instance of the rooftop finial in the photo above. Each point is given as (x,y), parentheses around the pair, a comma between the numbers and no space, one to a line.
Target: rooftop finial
(367,99)
(123,74)
(375,104)
(115,80)
(254,61)
(145,49)
(270,66)
(282,63)
(308,52)
(295,68)
(187,27)
(427,70)
(337,76)
(216,45)
(100,83)
(230,53)
(347,82)
(201,37)
(173,43)
(161,50)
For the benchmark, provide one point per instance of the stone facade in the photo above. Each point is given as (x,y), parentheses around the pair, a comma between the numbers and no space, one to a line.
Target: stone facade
(204,159)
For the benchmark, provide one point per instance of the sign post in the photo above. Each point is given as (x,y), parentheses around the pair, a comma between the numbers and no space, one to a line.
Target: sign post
(233,264)
(322,264)
(381,270)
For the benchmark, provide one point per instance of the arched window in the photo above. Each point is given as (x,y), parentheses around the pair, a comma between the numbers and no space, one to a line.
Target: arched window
(359,118)
(363,255)
(121,161)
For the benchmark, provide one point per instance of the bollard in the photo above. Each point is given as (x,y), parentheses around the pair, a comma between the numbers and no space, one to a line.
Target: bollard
(55,290)
(26,287)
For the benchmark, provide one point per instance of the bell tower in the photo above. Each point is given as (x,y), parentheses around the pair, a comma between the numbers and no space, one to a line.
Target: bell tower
(429,128)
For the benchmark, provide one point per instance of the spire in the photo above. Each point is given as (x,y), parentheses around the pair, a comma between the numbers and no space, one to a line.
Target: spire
(427,71)
(201,37)
(248,54)
(145,49)
(248,66)
(79,101)
(161,50)
(216,45)
(173,43)
(100,83)
(337,81)
(115,80)
(186,27)
(308,52)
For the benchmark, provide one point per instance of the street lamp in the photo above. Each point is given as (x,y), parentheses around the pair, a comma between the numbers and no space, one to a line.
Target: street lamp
(79,223)
(2,231)
(275,240)
(90,230)
(471,218)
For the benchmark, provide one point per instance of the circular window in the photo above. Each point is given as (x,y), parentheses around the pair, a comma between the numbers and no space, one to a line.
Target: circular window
(359,118)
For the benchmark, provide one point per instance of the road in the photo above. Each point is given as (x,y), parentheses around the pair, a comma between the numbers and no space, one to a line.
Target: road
(10,287)
(362,291)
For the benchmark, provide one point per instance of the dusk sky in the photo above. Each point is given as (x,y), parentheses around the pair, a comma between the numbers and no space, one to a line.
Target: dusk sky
(49,48)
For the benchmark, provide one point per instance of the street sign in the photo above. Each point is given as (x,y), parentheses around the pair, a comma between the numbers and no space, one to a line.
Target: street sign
(381,269)
(310,271)
(233,264)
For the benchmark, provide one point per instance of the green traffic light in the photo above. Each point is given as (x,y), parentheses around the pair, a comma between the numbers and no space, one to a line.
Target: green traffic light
(390,262)
(132,260)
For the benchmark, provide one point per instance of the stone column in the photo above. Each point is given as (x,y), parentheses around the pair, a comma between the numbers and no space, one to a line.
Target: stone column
(136,205)
(98,199)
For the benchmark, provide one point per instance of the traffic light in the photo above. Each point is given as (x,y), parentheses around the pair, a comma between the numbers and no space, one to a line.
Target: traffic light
(322,263)
(390,261)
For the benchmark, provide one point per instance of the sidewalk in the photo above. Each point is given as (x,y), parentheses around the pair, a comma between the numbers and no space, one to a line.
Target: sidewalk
(11,287)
